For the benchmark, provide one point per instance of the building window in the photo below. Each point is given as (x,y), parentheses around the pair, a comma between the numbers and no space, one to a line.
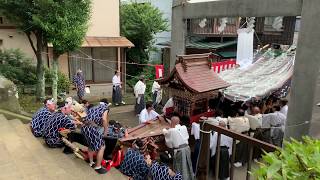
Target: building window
(1,20)
(273,24)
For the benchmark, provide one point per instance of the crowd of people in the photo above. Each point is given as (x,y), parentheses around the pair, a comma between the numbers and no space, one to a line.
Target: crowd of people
(264,121)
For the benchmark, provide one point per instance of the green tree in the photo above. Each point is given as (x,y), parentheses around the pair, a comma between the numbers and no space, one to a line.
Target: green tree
(298,160)
(139,23)
(21,13)
(65,24)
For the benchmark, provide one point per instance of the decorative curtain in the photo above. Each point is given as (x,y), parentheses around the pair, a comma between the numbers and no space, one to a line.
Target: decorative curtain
(245,47)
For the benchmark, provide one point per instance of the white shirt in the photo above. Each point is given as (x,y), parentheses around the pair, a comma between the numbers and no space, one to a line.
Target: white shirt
(273,119)
(155,87)
(255,121)
(116,80)
(168,104)
(176,136)
(284,110)
(139,88)
(145,116)
(195,130)
(224,141)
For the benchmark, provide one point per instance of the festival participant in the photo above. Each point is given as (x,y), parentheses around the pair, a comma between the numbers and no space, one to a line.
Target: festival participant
(176,138)
(161,170)
(156,92)
(41,117)
(148,114)
(87,105)
(116,90)
(58,120)
(225,152)
(134,163)
(274,123)
(97,117)
(255,119)
(284,107)
(79,82)
(139,90)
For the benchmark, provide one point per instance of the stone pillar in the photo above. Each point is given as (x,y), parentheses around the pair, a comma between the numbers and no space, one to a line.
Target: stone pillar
(305,74)
(178,30)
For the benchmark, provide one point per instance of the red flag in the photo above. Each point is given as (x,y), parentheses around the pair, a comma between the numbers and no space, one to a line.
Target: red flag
(159,71)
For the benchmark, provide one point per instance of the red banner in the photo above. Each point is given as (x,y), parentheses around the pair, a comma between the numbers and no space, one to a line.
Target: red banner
(223,65)
(159,71)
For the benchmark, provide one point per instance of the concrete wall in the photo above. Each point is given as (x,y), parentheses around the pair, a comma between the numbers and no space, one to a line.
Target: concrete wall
(104,18)
(11,38)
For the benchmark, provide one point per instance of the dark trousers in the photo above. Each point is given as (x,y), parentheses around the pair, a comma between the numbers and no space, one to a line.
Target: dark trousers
(195,155)
(224,167)
(79,138)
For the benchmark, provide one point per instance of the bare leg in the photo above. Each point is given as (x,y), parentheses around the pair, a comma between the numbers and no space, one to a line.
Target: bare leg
(100,156)
(90,153)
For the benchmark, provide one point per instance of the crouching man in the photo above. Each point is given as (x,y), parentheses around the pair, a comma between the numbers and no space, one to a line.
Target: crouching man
(58,120)
(40,118)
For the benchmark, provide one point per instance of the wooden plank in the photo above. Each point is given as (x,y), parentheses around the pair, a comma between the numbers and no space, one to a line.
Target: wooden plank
(233,157)
(204,154)
(249,162)
(247,139)
(217,162)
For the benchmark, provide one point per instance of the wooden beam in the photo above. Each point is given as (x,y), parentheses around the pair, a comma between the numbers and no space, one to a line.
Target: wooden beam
(242,8)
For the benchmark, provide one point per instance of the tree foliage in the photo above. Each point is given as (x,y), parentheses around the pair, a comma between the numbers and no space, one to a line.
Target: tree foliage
(21,13)
(65,24)
(298,160)
(15,66)
(139,23)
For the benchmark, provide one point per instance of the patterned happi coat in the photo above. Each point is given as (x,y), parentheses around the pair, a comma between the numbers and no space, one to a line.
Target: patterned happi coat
(90,131)
(38,121)
(79,81)
(134,165)
(51,128)
(160,171)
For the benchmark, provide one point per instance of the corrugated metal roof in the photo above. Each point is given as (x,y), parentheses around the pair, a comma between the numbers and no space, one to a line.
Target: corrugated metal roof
(202,44)
(92,41)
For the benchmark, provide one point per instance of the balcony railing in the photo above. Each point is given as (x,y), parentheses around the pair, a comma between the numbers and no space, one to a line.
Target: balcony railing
(212,25)
(203,162)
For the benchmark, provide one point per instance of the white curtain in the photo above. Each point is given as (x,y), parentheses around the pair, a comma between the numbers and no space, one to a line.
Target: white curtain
(245,47)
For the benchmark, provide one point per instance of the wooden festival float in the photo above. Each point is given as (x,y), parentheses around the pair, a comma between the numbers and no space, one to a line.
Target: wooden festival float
(192,83)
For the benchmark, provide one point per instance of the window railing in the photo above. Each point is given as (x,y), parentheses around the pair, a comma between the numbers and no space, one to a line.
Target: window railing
(212,25)
(204,156)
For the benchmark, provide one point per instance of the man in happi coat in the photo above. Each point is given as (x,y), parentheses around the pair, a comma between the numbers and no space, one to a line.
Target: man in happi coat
(95,127)
(139,90)
(116,90)
(134,163)
(161,170)
(176,138)
(58,120)
(80,84)
(41,117)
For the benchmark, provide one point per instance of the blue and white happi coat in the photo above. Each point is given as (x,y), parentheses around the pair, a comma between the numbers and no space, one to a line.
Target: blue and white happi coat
(160,171)
(91,132)
(79,81)
(51,128)
(38,121)
(134,165)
